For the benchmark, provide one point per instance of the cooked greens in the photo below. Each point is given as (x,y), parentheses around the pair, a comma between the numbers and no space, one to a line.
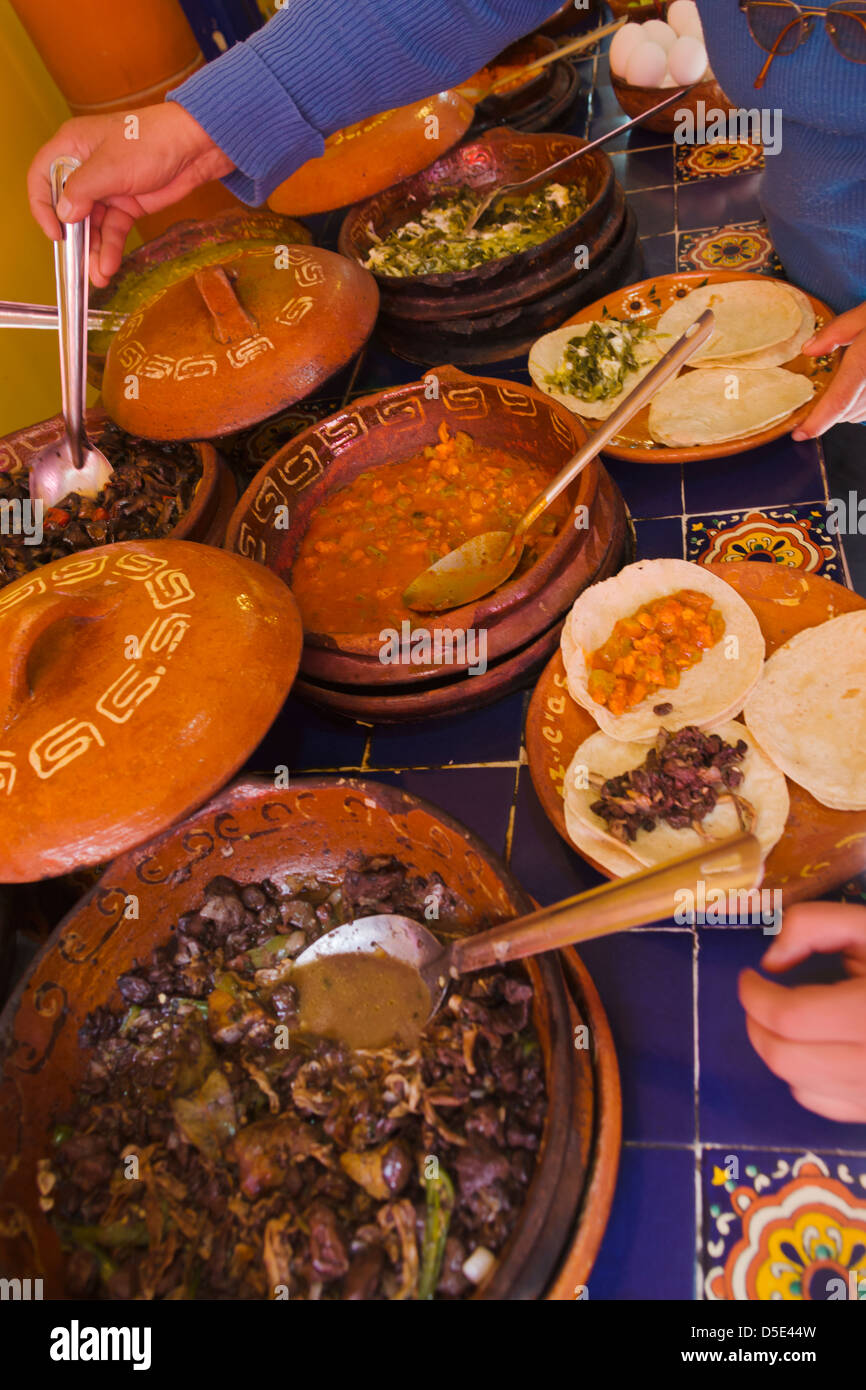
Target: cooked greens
(435,241)
(594,366)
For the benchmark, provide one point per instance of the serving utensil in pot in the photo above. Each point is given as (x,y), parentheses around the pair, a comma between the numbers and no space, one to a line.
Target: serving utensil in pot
(732,865)
(565,50)
(544,175)
(485,561)
(16,313)
(72,463)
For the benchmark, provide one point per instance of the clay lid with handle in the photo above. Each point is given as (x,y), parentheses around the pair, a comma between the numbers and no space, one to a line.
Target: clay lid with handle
(232,344)
(137,678)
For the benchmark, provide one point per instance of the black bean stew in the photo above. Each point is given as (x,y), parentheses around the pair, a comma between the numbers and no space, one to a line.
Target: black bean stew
(151,490)
(215,1153)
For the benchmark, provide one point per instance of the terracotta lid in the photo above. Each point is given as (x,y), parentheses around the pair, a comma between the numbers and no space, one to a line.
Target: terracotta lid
(232,344)
(136,680)
(372,154)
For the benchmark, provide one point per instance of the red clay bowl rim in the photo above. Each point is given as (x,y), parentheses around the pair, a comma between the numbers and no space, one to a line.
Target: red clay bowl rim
(472,614)
(447,279)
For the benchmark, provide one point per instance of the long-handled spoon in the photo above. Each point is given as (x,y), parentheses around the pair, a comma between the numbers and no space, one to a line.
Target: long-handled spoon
(545,175)
(733,865)
(73,463)
(15,313)
(481,564)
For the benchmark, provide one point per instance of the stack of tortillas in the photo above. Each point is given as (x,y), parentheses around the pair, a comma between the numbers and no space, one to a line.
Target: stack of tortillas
(808,711)
(741,388)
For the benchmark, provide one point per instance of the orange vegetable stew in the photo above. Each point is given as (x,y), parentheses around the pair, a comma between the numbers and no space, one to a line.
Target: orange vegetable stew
(651,649)
(367,542)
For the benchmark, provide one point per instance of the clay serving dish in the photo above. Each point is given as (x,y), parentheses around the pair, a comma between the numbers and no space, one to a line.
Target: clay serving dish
(137,679)
(373,153)
(394,424)
(571,19)
(636,100)
(821,848)
(499,156)
(233,344)
(520,54)
(251,831)
(550,110)
(214,498)
(183,248)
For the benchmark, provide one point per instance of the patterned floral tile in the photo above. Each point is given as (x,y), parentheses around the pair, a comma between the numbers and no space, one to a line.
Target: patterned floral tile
(795,536)
(738,246)
(716,160)
(783,1227)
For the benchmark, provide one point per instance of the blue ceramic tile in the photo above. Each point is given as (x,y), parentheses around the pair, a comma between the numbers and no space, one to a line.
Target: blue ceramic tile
(660,253)
(479,797)
(381,368)
(540,859)
(488,735)
(644,979)
(795,536)
(607,113)
(302,737)
(654,209)
(660,539)
(741,1100)
(736,246)
(772,476)
(648,1251)
(713,202)
(649,489)
(644,168)
(784,1198)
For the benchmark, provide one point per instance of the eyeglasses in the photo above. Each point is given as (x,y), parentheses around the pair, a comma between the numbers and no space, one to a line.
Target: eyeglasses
(780,26)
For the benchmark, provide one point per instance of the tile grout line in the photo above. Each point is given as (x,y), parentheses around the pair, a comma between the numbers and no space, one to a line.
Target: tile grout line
(699,1198)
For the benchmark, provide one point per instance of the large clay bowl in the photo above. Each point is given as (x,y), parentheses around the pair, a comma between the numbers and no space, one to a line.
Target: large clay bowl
(506,632)
(319,824)
(394,424)
(636,100)
(499,156)
(213,500)
(535,84)
(177,253)
(455,693)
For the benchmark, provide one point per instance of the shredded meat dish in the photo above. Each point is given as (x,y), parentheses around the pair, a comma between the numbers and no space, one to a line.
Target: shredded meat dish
(214,1153)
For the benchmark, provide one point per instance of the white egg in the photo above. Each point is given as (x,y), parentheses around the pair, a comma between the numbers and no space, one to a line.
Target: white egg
(624,40)
(687,60)
(646,65)
(658,32)
(683,18)
(669,81)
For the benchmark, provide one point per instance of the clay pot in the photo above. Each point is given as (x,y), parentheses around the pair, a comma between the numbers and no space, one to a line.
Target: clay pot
(570,19)
(180,244)
(319,824)
(500,156)
(549,109)
(213,501)
(393,424)
(635,100)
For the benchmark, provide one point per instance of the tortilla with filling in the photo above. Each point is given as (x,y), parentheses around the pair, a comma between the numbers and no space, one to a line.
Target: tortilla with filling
(808,711)
(546,356)
(714,689)
(721,403)
(750,315)
(763,787)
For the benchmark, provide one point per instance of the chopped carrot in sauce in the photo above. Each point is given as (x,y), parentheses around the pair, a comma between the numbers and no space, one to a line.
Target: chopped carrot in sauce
(367,542)
(650,649)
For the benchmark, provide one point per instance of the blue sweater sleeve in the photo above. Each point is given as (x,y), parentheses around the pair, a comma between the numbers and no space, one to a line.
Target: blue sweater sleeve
(319,65)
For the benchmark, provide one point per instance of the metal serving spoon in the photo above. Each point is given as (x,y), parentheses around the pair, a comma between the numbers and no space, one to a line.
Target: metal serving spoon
(15,313)
(482,563)
(72,463)
(732,865)
(544,175)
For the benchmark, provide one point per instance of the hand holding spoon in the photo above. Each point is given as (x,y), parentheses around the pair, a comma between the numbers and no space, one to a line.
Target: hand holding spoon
(484,562)
(72,463)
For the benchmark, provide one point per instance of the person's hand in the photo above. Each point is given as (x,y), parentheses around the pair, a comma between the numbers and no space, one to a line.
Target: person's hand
(814,1036)
(122,178)
(845,399)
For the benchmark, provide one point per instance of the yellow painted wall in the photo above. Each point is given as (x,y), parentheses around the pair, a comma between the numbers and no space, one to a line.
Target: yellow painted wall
(31,109)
